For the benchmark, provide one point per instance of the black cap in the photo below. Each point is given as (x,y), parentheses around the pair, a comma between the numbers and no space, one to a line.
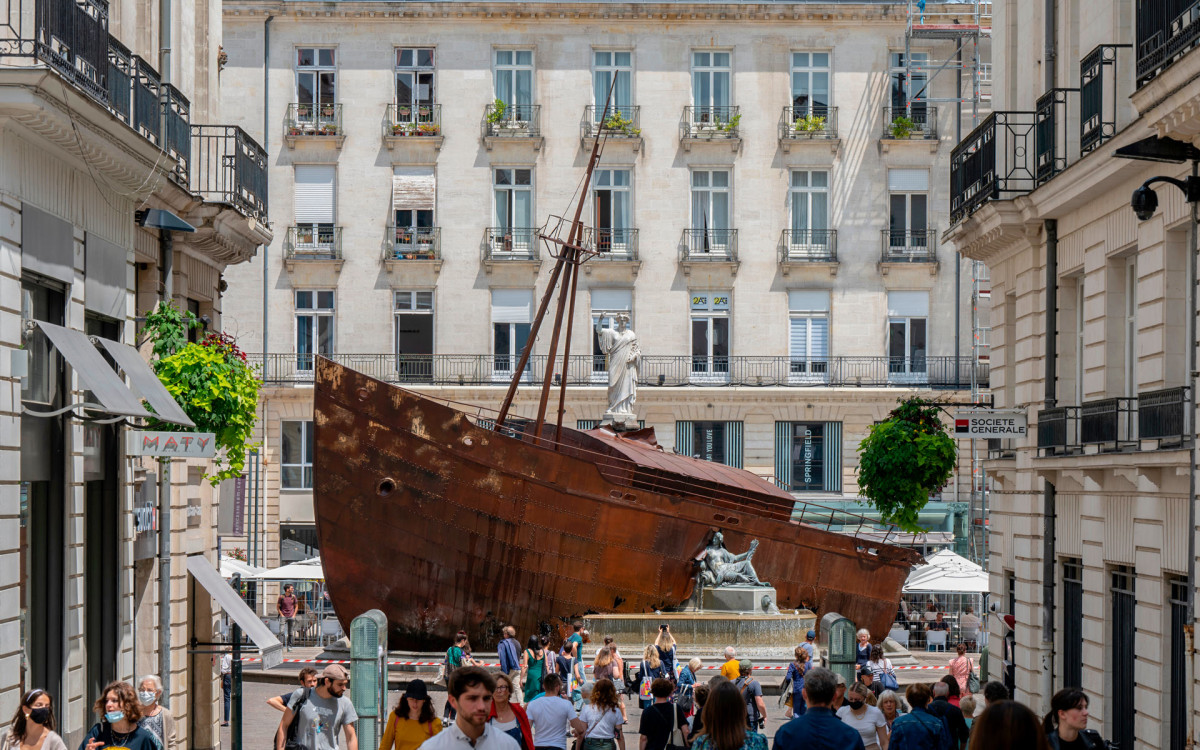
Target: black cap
(416,690)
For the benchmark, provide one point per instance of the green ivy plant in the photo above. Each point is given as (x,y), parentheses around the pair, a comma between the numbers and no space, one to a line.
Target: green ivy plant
(903,127)
(903,460)
(497,114)
(212,381)
(618,123)
(810,123)
(731,124)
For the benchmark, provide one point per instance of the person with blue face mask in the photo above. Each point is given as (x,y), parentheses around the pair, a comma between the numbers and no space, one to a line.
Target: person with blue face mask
(159,721)
(118,727)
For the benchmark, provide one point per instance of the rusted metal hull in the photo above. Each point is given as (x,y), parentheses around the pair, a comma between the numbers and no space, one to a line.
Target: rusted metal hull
(447,525)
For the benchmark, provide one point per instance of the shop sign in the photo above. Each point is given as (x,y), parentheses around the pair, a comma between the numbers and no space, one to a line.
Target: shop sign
(990,423)
(170,444)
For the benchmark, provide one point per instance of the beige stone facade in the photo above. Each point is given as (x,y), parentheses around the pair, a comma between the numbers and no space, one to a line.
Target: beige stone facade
(1090,513)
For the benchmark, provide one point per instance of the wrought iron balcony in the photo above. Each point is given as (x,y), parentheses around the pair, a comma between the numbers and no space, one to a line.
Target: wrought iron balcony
(711,245)
(1098,96)
(1050,137)
(512,121)
(417,122)
(909,246)
(229,167)
(1057,430)
(994,162)
(807,122)
(808,246)
(507,244)
(1164,415)
(177,119)
(1166,30)
(612,244)
(623,123)
(948,373)
(313,121)
(700,124)
(414,243)
(918,122)
(1110,423)
(321,242)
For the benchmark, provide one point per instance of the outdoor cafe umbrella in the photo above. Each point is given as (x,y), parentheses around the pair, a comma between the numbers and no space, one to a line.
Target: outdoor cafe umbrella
(305,570)
(231,566)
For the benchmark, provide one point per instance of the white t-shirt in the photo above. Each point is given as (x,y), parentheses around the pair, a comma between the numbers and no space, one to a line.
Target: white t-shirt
(601,726)
(866,725)
(550,716)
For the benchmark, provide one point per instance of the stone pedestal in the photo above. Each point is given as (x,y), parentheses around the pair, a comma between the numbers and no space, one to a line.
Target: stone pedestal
(740,599)
(706,634)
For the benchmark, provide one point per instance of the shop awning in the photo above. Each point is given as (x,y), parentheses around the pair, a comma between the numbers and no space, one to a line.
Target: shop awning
(207,576)
(110,391)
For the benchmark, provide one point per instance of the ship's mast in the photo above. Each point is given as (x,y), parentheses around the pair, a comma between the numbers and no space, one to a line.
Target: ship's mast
(569,255)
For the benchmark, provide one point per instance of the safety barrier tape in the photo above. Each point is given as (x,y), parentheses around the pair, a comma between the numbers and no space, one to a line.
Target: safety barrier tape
(497,664)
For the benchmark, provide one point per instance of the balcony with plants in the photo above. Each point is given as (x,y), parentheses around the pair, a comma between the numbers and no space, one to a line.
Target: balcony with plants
(313,122)
(318,245)
(808,124)
(512,123)
(621,125)
(915,123)
(413,124)
(711,124)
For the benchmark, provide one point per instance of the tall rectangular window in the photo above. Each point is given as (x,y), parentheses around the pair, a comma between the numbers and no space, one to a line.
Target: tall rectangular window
(919,92)
(316,81)
(512,313)
(810,84)
(908,208)
(1080,321)
(710,211)
(612,200)
(513,195)
(808,456)
(1130,324)
(606,65)
(315,209)
(296,445)
(414,84)
(514,81)
(908,313)
(1122,678)
(711,79)
(413,201)
(1072,614)
(809,206)
(710,335)
(413,313)
(808,335)
(1177,689)
(719,442)
(314,326)
(605,303)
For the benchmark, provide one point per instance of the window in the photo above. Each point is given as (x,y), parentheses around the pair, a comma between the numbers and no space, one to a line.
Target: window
(1072,641)
(808,456)
(1122,679)
(908,198)
(514,82)
(194,332)
(808,335)
(315,209)
(607,301)
(513,190)
(918,95)
(810,84)
(711,77)
(809,203)
(413,311)
(314,326)
(296,446)
(710,212)
(414,85)
(907,316)
(512,313)
(719,442)
(1130,324)
(316,82)
(413,199)
(614,215)
(608,64)
(1080,320)
(710,335)
(1177,690)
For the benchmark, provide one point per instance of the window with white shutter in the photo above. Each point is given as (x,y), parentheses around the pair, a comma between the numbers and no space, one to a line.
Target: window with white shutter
(808,334)
(512,315)
(413,199)
(908,314)
(314,207)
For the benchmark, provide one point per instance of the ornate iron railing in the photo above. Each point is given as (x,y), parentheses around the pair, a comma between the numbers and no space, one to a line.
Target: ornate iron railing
(918,121)
(319,242)
(120,81)
(1098,96)
(612,244)
(622,122)
(1050,121)
(177,124)
(711,123)
(313,120)
(808,246)
(805,122)
(994,162)
(1108,422)
(1166,30)
(70,36)
(1163,415)
(510,243)
(513,121)
(413,120)
(1057,429)
(908,246)
(229,167)
(414,243)
(708,245)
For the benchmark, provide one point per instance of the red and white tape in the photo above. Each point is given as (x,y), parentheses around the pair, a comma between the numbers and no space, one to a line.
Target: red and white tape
(496,665)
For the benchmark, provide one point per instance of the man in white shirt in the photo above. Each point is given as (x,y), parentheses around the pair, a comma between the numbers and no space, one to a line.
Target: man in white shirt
(470,693)
(551,716)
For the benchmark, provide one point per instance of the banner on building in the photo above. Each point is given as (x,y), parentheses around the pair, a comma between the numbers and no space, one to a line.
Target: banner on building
(231,513)
(990,423)
(145,519)
(170,444)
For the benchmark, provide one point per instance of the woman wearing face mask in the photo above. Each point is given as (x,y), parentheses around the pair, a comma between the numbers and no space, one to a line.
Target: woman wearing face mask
(118,727)
(32,726)
(868,720)
(156,719)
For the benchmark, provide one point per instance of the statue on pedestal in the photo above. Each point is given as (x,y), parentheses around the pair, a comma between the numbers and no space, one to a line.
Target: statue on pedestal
(720,567)
(620,347)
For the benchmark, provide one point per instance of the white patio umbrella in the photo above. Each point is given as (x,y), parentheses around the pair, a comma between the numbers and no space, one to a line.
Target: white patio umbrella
(231,566)
(947,573)
(305,570)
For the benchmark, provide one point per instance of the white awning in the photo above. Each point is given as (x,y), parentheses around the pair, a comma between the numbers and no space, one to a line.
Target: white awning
(269,647)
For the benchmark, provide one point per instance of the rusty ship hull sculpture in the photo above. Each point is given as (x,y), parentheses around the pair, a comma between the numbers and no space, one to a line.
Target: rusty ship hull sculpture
(432,514)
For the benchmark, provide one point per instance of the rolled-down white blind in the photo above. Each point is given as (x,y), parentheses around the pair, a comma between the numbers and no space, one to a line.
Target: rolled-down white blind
(512,305)
(908,180)
(314,193)
(612,300)
(413,188)
(908,304)
(808,300)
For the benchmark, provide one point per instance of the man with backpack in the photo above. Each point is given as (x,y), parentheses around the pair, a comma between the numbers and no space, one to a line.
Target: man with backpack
(751,690)
(314,717)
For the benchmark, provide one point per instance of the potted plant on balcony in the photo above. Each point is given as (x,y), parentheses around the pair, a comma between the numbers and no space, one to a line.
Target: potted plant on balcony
(902,127)
(423,111)
(427,129)
(730,125)
(496,115)
(617,123)
(327,110)
(329,128)
(809,125)
(403,111)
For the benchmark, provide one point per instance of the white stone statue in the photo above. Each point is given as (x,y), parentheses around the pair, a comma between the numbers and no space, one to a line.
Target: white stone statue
(620,346)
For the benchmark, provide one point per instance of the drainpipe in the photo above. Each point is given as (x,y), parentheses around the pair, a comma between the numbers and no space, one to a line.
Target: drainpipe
(1051,372)
(1051,42)
(1193,372)
(1049,499)
(164,52)
(167,264)
(266,309)
(958,270)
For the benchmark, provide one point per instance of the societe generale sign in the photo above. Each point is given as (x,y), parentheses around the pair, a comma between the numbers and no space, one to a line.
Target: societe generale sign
(170,444)
(989,423)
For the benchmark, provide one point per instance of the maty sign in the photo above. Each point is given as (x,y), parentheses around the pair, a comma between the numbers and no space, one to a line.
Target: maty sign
(989,424)
(170,444)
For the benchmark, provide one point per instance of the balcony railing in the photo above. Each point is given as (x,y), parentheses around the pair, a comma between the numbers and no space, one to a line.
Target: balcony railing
(1164,415)
(71,37)
(1098,96)
(511,244)
(994,162)
(654,370)
(414,243)
(313,243)
(622,122)
(916,122)
(1057,430)
(808,246)
(807,122)
(147,97)
(719,245)
(313,120)
(512,121)
(909,246)
(613,244)
(413,121)
(711,123)
(229,167)
(177,116)
(1110,423)
(1166,30)
(1050,120)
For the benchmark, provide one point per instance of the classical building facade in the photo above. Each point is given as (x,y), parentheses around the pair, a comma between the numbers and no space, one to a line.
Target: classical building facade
(1093,323)
(767,206)
(101,153)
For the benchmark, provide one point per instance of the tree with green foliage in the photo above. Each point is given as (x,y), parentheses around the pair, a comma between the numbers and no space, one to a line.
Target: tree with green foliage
(904,459)
(213,382)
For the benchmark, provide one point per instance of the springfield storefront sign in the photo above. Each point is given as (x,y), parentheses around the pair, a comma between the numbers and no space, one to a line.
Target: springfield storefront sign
(170,444)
